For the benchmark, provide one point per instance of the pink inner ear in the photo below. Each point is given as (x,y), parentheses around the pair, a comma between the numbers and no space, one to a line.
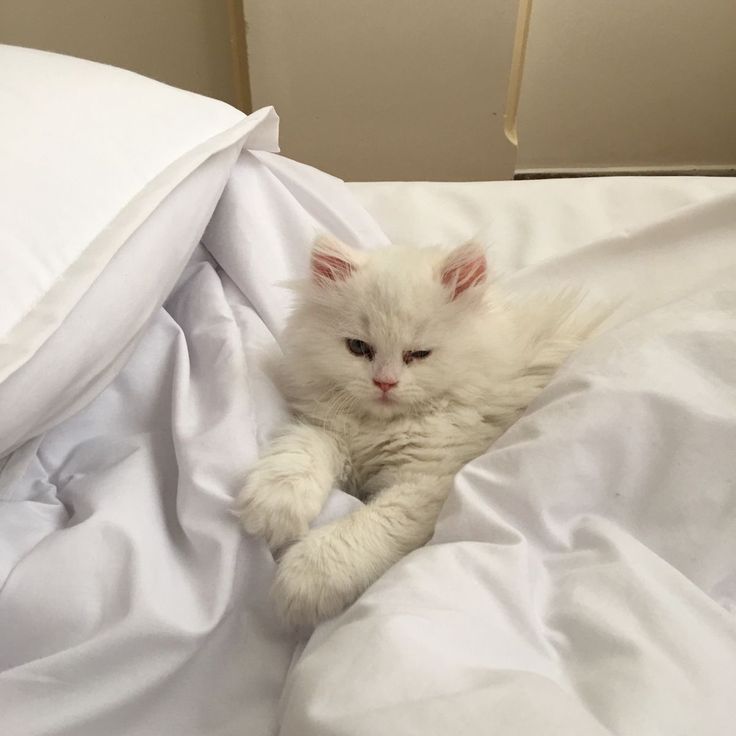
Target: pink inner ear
(463,270)
(329,266)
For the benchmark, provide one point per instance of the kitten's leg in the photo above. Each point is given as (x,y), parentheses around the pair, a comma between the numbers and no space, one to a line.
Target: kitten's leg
(327,570)
(287,487)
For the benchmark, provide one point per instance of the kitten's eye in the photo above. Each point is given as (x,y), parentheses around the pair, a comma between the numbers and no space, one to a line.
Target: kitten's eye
(359,348)
(410,355)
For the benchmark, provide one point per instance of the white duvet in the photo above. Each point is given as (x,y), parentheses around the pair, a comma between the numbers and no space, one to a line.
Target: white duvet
(582,579)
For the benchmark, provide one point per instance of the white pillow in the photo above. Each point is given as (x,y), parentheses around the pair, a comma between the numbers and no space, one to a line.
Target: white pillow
(107,180)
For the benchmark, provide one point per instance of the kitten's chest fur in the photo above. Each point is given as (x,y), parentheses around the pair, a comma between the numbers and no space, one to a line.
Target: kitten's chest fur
(436,444)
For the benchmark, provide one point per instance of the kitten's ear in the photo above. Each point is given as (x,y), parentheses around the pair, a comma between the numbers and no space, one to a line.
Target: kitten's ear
(465,268)
(332,260)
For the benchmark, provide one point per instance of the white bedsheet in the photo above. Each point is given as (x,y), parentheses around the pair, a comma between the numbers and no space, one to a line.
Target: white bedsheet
(583,575)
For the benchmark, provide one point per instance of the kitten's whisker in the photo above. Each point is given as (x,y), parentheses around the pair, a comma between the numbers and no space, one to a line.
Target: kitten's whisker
(331,398)
(335,406)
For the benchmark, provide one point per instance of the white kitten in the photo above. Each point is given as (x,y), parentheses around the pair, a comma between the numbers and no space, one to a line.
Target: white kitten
(400,365)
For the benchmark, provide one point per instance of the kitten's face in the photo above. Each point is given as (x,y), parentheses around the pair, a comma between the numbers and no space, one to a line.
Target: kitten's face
(388,332)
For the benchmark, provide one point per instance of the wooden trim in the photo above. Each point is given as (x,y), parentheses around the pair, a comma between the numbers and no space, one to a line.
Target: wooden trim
(239,56)
(521,36)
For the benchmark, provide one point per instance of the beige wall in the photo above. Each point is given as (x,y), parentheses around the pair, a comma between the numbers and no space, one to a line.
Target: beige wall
(386,89)
(629,83)
(416,89)
(180,42)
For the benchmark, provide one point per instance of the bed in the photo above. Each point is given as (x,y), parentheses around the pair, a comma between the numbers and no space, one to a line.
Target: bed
(582,577)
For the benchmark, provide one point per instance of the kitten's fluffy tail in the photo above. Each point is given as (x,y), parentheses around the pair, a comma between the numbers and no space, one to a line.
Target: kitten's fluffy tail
(553,326)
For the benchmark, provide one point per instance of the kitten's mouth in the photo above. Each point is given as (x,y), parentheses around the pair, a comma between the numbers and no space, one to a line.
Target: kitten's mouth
(386,406)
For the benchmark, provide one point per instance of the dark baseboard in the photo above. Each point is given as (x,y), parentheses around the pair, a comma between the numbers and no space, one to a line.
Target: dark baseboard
(579,173)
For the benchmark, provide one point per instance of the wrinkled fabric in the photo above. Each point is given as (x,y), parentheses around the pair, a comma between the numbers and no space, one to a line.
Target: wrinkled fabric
(582,576)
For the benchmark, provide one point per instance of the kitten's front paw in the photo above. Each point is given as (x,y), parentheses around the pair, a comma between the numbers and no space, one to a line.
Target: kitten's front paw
(317,578)
(277,506)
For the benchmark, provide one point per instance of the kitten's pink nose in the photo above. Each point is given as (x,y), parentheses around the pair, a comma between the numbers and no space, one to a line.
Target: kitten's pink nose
(385,386)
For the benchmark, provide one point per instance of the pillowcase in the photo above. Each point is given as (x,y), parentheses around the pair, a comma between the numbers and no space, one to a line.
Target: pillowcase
(107,181)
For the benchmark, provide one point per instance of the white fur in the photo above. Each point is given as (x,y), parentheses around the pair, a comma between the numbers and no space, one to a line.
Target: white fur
(490,357)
